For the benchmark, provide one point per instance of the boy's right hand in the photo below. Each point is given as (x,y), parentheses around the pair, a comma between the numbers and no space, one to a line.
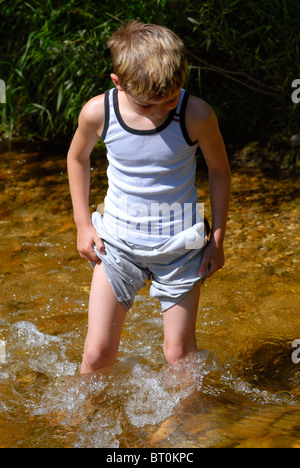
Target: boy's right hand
(87,238)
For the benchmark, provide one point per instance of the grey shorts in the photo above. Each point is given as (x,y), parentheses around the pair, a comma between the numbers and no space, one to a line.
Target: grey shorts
(171,267)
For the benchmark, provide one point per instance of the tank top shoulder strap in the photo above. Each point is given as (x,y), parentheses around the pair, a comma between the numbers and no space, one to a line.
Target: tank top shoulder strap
(180,112)
(179,105)
(107,112)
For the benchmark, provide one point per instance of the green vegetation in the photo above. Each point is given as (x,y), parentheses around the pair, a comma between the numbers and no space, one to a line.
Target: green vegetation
(243,58)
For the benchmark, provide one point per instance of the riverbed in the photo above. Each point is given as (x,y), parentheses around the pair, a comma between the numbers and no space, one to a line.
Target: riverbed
(243,389)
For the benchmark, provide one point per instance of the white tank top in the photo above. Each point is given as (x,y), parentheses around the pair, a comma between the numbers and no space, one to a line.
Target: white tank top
(151,175)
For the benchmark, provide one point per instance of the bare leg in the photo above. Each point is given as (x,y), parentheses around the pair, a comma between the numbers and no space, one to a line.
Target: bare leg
(180,324)
(106,318)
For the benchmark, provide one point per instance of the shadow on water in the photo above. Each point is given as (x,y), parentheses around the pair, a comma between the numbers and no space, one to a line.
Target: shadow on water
(242,390)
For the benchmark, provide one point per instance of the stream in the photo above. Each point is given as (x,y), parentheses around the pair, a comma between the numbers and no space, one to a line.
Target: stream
(243,388)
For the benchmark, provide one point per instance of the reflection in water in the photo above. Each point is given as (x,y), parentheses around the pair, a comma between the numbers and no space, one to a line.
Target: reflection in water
(242,391)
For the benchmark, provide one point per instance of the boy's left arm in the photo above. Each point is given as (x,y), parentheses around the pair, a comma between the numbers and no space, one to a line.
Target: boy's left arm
(213,149)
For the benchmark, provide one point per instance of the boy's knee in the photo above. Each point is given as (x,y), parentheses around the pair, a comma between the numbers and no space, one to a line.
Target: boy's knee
(174,352)
(98,357)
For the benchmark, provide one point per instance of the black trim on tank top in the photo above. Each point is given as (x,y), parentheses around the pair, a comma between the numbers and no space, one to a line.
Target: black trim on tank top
(106,118)
(133,130)
(182,120)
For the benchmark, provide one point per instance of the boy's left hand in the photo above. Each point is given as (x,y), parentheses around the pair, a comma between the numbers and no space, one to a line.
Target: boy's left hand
(213,259)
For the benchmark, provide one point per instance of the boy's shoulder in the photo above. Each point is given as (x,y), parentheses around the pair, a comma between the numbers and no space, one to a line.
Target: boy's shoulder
(93,112)
(198,109)
(200,118)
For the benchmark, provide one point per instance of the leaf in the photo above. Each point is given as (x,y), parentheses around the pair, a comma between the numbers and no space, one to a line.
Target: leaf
(193,21)
(59,97)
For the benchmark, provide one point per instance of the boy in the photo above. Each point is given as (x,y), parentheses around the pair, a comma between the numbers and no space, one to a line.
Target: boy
(150,228)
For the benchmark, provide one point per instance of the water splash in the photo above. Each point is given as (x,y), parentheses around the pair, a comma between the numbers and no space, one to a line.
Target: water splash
(96,408)
(41,352)
(41,389)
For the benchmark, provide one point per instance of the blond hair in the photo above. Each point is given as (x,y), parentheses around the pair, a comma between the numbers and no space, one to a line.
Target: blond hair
(149,60)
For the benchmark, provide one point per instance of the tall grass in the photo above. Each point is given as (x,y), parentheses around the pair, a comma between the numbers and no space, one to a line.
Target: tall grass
(243,57)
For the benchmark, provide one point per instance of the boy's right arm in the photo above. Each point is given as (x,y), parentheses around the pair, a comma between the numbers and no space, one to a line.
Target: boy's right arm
(90,125)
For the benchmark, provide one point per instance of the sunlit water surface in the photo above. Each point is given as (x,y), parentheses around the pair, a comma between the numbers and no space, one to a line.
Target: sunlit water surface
(243,388)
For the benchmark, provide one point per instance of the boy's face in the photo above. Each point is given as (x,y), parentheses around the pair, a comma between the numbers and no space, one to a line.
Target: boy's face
(153,109)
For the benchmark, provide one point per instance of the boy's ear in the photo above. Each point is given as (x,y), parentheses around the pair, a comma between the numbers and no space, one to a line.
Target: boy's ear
(116,81)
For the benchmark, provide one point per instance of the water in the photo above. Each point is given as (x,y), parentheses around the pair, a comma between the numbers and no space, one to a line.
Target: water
(242,390)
